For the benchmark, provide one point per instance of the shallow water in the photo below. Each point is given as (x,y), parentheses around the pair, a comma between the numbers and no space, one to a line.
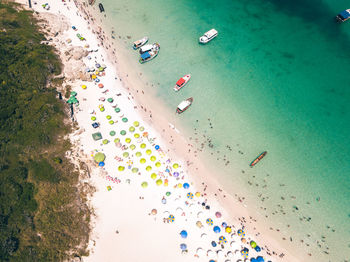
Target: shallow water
(275,79)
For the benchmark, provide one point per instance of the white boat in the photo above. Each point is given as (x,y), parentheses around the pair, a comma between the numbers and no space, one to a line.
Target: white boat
(182,82)
(137,44)
(146,48)
(184,105)
(208,36)
(150,53)
(343,16)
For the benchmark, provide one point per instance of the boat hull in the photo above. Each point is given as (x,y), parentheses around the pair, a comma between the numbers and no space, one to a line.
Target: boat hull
(257,160)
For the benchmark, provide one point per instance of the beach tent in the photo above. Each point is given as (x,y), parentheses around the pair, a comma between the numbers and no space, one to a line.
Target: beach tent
(97,136)
(99,157)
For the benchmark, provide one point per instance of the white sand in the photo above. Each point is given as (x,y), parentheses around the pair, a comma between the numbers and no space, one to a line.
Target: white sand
(127,207)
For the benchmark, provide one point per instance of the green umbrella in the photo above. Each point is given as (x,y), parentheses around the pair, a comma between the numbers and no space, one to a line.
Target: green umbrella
(142,128)
(124,119)
(99,157)
(73,93)
(123,132)
(112,133)
(110,100)
(117,110)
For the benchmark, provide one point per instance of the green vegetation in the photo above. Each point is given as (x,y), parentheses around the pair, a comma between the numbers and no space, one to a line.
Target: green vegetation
(43,214)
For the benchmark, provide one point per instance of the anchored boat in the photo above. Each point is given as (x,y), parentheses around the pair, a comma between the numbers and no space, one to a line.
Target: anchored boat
(182,82)
(102,9)
(256,160)
(343,16)
(208,36)
(137,44)
(150,53)
(184,105)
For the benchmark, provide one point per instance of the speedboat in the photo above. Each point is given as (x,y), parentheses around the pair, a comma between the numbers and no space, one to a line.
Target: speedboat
(343,16)
(137,44)
(208,36)
(256,160)
(182,82)
(184,105)
(150,53)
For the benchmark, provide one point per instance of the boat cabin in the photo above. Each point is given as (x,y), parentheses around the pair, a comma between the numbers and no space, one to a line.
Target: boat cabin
(180,82)
(146,48)
(211,33)
(145,56)
(343,16)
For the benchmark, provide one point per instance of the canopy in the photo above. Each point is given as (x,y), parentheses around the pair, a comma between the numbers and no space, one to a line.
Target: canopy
(99,157)
(145,55)
(345,14)
(180,82)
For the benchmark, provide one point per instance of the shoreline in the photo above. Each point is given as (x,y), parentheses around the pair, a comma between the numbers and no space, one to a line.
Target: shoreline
(179,149)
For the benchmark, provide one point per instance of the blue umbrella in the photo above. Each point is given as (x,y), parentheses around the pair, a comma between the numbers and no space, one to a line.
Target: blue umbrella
(183,234)
(213,243)
(157,147)
(224,224)
(176,174)
(253,260)
(260,259)
(186,185)
(211,260)
(101,163)
(257,249)
(183,246)
(217,229)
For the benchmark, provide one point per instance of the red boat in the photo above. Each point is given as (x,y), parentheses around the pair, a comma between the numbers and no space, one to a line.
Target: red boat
(182,82)
(256,160)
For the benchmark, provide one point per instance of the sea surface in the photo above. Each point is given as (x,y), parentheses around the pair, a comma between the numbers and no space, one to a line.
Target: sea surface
(276,79)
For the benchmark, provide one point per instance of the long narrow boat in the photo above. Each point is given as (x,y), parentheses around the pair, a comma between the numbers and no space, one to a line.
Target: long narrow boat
(182,82)
(256,160)
(184,105)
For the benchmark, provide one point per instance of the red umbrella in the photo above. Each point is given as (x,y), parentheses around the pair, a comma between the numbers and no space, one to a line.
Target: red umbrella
(100,85)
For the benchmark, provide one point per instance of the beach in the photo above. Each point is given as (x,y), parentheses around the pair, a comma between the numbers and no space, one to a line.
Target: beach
(147,196)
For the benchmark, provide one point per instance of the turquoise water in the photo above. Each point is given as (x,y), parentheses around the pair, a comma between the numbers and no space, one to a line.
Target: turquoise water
(276,79)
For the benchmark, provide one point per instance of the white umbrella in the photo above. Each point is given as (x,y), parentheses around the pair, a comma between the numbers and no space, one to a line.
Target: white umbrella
(228,260)
(210,254)
(232,243)
(220,254)
(200,251)
(179,210)
(199,214)
(204,235)
(229,254)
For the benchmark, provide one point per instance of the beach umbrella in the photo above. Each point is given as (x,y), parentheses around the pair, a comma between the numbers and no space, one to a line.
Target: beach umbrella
(175,165)
(159,182)
(111,122)
(102,109)
(123,132)
(153,175)
(97,80)
(148,151)
(100,85)
(73,93)
(121,168)
(136,135)
(153,158)
(163,201)
(260,259)
(218,214)
(143,145)
(112,133)
(190,195)
(207,207)
(142,128)
(186,185)
(93,118)
(117,140)
(117,110)
(252,244)
(228,230)
(171,218)
(99,157)
(244,252)
(204,235)
(154,211)
(125,154)
(200,251)
(209,221)
(168,193)
(229,254)
(83,86)
(97,65)
(240,233)
(142,160)
(131,129)
(138,154)
(197,194)
(158,164)
(156,147)
(134,170)
(93,76)
(176,174)
(257,249)
(224,224)
(144,184)
(124,119)
(183,246)
(148,168)
(105,141)
(183,234)
(217,229)
(210,254)
(199,224)
(96,136)
(101,164)
(243,240)
(222,240)
(132,147)
(136,124)
(109,117)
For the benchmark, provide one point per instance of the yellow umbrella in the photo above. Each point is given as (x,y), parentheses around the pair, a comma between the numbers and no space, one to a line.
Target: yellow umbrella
(159,182)
(93,76)
(175,165)
(228,230)
(148,151)
(154,176)
(148,168)
(83,86)
(198,194)
(121,168)
(128,140)
(142,160)
(136,135)
(158,164)
(143,145)
(153,158)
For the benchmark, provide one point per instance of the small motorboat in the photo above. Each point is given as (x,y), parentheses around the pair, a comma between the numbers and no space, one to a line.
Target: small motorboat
(150,54)
(182,82)
(343,16)
(256,160)
(137,44)
(208,36)
(184,105)
(102,9)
